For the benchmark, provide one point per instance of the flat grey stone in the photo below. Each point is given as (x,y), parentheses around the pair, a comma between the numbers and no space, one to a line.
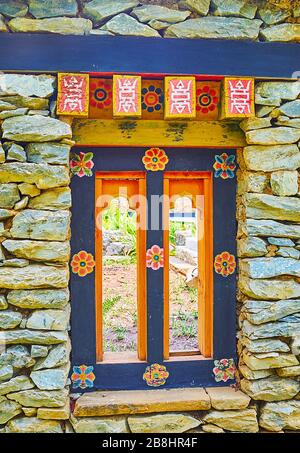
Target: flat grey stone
(251,247)
(266,91)
(260,311)
(42,175)
(272,388)
(9,319)
(270,330)
(52,8)
(38,250)
(15,384)
(35,128)
(25,336)
(9,195)
(215,28)
(38,351)
(57,356)
(15,152)
(34,276)
(239,8)
(16,356)
(58,25)
(285,242)
(146,13)
(52,199)
(9,113)
(254,227)
(40,398)
(270,267)
(8,410)
(13,8)
(50,379)
(282,32)
(38,224)
(34,425)
(272,158)
(264,206)
(99,10)
(272,15)
(26,85)
(6,373)
(269,289)
(49,319)
(288,252)
(50,153)
(272,136)
(39,298)
(291,109)
(127,25)
(200,7)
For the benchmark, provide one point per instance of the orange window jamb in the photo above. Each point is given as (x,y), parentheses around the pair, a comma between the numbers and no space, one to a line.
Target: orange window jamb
(109,184)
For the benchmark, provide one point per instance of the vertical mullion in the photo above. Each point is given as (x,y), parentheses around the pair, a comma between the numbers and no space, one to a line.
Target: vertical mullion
(155,299)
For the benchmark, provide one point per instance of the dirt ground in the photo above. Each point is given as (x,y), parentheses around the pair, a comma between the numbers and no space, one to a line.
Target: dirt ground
(119,307)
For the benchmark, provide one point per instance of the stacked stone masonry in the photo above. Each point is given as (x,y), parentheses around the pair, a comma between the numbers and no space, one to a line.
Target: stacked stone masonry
(263,20)
(35,203)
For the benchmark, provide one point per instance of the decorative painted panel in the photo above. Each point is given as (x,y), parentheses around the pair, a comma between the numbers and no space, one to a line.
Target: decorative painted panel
(238,97)
(127,96)
(207,100)
(73,94)
(152,99)
(180,97)
(101,98)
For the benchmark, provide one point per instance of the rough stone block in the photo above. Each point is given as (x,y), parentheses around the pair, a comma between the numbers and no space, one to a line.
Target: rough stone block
(284,183)
(240,421)
(39,298)
(281,415)
(264,206)
(61,25)
(38,250)
(162,423)
(269,289)
(39,224)
(40,398)
(50,153)
(271,388)
(52,199)
(27,85)
(33,425)
(227,398)
(34,276)
(272,158)
(109,425)
(44,176)
(49,319)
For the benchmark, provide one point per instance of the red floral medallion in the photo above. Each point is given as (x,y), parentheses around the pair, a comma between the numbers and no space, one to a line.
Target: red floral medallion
(225,264)
(155,159)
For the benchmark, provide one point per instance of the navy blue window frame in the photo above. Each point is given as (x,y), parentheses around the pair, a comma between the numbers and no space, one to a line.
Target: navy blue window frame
(182,373)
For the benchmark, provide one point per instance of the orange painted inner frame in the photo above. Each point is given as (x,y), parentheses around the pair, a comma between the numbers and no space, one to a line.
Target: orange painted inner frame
(109,184)
(193,184)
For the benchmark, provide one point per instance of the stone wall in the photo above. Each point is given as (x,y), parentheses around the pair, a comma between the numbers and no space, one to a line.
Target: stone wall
(34,251)
(269,251)
(265,20)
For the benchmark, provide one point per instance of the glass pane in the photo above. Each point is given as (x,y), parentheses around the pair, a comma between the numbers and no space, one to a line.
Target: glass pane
(119,277)
(183,277)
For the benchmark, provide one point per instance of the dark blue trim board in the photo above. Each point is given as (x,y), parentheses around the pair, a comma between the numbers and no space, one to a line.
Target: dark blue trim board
(126,54)
(182,373)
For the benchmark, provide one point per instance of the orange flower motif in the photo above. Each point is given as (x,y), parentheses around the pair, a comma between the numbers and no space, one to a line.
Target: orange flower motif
(225,264)
(155,159)
(82,263)
(155,257)
(155,375)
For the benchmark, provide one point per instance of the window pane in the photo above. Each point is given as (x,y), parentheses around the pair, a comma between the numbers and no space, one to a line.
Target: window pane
(183,277)
(119,277)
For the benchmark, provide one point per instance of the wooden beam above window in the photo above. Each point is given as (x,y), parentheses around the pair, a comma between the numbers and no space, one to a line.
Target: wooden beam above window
(157,133)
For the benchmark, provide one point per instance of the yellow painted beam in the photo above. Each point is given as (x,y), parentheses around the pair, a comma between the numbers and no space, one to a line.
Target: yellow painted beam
(157,133)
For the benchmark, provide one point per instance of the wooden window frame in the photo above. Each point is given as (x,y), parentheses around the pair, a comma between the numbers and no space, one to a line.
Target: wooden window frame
(204,258)
(113,181)
(192,371)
